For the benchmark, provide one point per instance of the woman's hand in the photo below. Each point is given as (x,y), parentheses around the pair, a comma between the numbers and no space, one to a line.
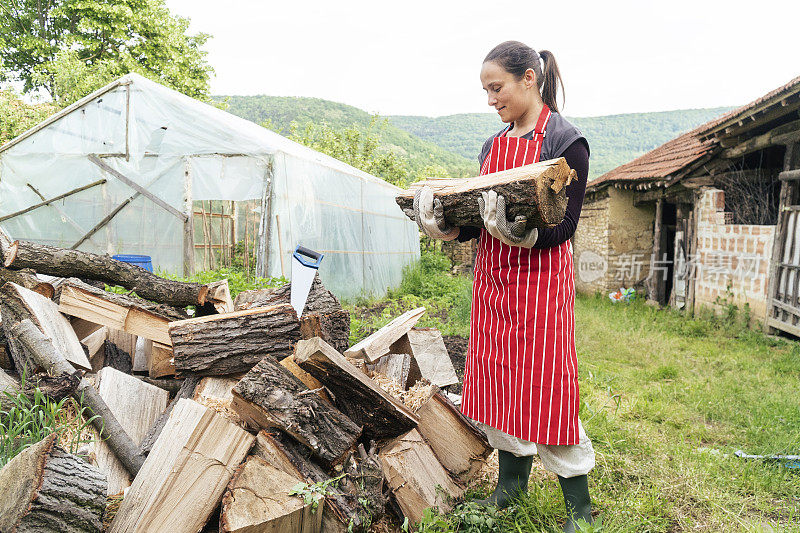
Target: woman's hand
(493,212)
(429,216)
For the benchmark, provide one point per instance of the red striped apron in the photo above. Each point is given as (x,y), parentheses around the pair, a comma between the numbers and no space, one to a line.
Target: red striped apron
(521,373)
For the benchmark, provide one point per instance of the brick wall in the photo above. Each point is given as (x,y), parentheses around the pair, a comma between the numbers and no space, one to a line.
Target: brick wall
(613,242)
(735,254)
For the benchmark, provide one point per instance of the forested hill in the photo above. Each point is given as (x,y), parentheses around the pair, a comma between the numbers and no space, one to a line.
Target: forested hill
(613,139)
(454,141)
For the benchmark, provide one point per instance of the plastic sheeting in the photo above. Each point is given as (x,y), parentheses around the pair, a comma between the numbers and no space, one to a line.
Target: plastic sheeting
(182,150)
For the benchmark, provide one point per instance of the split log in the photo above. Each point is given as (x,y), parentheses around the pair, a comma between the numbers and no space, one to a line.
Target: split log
(537,191)
(283,452)
(141,354)
(117,311)
(218,299)
(95,347)
(416,477)
(185,475)
(186,391)
(18,303)
(136,405)
(83,328)
(459,445)
(378,344)
(26,278)
(214,389)
(430,354)
(45,488)
(65,263)
(257,499)
(44,354)
(395,366)
(160,361)
(5,354)
(308,380)
(334,321)
(357,396)
(233,343)
(270,396)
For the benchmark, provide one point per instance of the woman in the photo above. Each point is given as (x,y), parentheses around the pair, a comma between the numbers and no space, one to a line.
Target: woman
(520,382)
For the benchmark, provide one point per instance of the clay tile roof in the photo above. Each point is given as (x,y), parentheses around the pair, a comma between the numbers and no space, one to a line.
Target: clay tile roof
(771,98)
(660,162)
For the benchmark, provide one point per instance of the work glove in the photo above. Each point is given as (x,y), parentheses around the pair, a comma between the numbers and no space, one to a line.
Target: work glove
(428,213)
(493,212)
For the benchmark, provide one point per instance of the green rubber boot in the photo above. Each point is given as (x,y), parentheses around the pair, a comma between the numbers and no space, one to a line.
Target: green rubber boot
(511,480)
(577,500)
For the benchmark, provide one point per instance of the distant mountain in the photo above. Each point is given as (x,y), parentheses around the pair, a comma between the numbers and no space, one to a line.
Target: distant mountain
(613,139)
(454,141)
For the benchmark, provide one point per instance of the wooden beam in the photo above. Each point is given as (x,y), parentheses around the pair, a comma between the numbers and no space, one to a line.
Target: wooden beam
(789,131)
(138,188)
(60,211)
(51,200)
(653,285)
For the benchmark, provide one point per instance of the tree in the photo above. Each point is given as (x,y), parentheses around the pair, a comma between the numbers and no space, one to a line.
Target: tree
(41,40)
(356,147)
(16,116)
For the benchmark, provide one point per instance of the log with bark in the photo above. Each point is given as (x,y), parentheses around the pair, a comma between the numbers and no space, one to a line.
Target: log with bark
(185,475)
(116,358)
(67,263)
(322,310)
(356,395)
(42,353)
(537,191)
(282,451)
(18,303)
(117,311)
(27,278)
(45,488)
(258,499)
(271,396)
(233,343)
(136,405)
(8,385)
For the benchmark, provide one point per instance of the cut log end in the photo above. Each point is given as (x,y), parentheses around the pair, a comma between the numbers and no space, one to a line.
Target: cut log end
(10,253)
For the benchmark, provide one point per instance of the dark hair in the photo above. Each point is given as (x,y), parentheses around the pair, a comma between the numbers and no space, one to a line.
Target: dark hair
(517,57)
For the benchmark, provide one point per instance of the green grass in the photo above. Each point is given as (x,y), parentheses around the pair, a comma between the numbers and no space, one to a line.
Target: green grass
(666,399)
(27,419)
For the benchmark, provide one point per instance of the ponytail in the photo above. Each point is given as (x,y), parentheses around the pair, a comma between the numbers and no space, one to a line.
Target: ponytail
(551,80)
(517,57)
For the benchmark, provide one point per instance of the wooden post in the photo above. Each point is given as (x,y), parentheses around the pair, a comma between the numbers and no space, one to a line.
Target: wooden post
(653,284)
(188,224)
(262,259)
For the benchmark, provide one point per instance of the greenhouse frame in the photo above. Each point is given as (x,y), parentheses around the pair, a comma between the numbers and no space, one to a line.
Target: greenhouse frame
(138,168)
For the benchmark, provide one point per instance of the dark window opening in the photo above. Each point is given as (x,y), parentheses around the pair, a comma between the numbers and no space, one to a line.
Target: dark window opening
(752,188)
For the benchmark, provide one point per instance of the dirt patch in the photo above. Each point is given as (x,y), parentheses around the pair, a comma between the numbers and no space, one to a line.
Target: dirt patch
(457,349)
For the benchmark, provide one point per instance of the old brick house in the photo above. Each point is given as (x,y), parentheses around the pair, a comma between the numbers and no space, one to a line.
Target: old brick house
(709,216)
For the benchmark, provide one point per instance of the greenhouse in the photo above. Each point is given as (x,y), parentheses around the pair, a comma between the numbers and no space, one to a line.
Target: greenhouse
(137,168)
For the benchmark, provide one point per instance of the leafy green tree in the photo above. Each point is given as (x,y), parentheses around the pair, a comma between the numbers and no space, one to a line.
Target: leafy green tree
(359,148)
(40,40)
(17,116)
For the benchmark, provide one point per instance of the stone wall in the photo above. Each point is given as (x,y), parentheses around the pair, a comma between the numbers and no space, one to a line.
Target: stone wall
(732,260)
(613,242)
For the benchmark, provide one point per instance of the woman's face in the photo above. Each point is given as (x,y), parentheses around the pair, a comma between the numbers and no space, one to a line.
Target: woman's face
(509,96)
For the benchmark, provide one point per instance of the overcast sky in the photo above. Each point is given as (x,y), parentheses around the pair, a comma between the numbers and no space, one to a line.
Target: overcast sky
(423,57)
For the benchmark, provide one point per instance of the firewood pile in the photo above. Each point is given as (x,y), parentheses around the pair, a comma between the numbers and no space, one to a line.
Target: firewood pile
(243,417)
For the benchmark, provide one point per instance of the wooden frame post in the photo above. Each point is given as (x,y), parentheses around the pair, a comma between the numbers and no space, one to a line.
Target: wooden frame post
(188,223)
(653,285)
(262,257)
